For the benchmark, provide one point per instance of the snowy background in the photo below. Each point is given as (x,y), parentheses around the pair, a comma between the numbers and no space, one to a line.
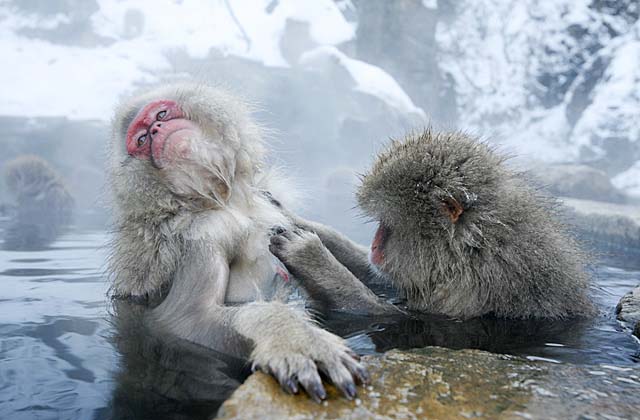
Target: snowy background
(551,81)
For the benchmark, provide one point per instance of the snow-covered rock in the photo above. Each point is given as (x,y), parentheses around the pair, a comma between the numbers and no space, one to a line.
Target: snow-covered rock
(51,75)
(366,78)
(557,81)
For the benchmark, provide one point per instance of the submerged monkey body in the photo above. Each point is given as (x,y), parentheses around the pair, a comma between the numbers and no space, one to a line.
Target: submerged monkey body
(460,234)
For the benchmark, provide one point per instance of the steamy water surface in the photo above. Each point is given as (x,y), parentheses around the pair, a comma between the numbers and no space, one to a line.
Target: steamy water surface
(61,355)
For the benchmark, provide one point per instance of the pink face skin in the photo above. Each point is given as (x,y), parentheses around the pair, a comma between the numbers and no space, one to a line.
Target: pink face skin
(377,252)
(160,132)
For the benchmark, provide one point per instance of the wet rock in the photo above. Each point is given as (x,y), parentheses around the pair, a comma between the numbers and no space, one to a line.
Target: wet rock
(628,309)
(442,383)
(611,231)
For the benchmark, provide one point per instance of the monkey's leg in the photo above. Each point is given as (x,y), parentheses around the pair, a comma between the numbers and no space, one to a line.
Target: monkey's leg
(324,277)
(286,344)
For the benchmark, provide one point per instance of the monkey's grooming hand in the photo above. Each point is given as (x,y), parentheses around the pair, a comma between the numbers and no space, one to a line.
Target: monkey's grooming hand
(301,251)
(326,280)
(298,360)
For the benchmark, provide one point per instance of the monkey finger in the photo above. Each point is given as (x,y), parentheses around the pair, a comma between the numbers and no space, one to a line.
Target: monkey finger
(310,380)
(358,371)
(353,355)
(292,384)
(277,241)
(278,230)
(255,367)
(299,232)
(342,378)
(287,382)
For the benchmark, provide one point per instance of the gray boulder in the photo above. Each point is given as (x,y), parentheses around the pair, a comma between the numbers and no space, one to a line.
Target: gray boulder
(579,181)
(611,231)
(628,310)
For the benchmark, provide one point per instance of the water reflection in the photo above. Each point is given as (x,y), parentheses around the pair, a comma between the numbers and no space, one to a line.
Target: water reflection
(170,379)
(63,354)
(582,341)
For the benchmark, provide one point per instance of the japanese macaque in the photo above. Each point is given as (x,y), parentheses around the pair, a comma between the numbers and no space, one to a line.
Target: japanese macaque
(43,205)
(193,221)
(460,234)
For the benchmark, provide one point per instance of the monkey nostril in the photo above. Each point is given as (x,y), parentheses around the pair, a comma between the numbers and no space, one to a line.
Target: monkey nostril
(154,131)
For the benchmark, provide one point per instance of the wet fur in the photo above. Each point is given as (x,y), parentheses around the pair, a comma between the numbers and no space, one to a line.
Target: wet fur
(43,205)
(508,254)
(192,240)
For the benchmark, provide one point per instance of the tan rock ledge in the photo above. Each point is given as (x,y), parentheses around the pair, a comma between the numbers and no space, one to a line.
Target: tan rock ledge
(437,383)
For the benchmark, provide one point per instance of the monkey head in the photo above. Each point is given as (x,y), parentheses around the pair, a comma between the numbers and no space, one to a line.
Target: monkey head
(29,176)
(183,145)
(429,194)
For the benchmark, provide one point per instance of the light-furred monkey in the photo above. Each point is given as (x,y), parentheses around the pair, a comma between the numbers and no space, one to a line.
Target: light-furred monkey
(192,235)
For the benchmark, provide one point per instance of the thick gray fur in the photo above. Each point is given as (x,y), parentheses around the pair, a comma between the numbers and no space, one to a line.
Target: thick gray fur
(508,254)
(43,204)
(201,230)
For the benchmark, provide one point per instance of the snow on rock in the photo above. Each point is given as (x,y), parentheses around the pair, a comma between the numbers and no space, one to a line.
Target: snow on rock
(554,80)
(245,28)
(50,79)
(430,4)
(367,78)
(614,111)
(629,180)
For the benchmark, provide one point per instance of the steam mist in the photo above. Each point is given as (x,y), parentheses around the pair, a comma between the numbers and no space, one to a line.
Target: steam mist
(556,83)
(331,81)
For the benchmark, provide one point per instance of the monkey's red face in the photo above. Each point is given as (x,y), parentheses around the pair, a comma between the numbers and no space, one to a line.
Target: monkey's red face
(161,132)
(377,246)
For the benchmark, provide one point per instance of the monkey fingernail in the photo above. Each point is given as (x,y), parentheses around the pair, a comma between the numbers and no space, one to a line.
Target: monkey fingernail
(350,390)
(318,393)
(363,376)
(291,386)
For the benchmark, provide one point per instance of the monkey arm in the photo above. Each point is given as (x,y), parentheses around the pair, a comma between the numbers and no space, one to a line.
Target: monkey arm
(324,277)
(351,255)
(283,341)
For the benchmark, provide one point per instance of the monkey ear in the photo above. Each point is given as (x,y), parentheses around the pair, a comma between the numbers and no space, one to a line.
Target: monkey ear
(452,208)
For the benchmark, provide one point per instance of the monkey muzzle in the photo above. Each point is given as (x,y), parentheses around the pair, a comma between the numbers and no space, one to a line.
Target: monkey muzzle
(171,141)
(377,245)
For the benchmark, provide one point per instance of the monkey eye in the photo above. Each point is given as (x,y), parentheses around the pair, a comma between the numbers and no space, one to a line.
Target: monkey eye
(141,140)
(161,115)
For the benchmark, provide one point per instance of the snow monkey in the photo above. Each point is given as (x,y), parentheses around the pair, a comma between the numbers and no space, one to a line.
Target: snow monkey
(192,236)
(459,234)
(43,205)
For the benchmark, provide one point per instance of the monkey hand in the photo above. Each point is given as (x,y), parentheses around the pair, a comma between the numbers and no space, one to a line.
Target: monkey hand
(296,249)
(298,361)
(325,279)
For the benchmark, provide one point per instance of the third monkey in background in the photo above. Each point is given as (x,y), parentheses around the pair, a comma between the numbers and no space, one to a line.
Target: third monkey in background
(459,234)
